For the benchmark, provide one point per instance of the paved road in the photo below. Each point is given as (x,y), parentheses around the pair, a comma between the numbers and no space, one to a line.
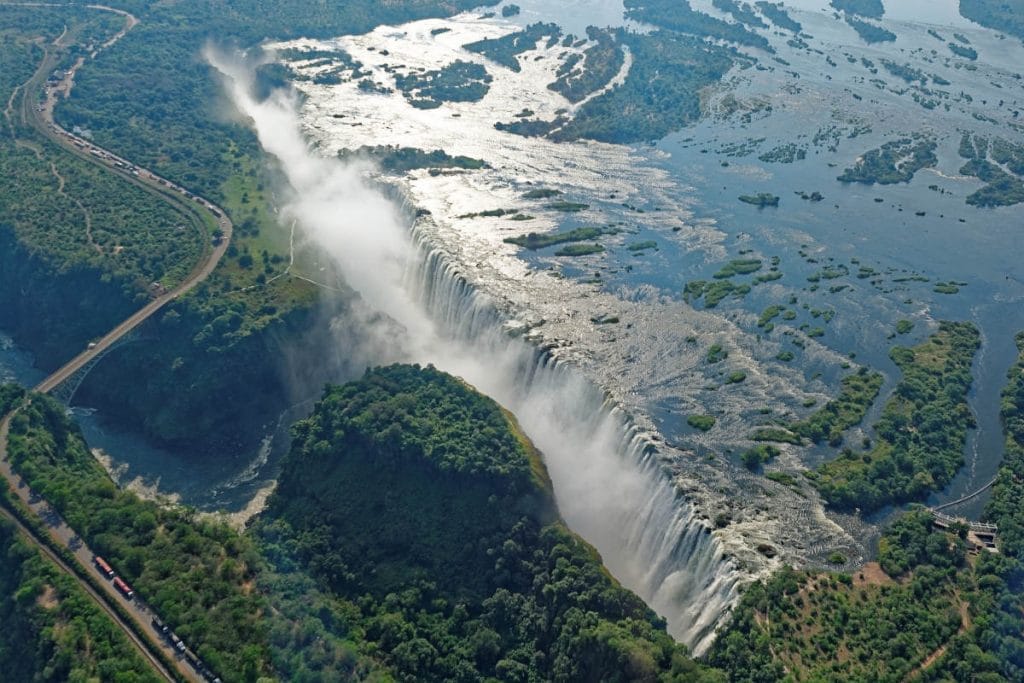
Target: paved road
(142,648)
(42,118)
(172,192)
(64,535)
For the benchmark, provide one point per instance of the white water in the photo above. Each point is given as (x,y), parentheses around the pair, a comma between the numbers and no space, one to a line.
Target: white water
(608,483)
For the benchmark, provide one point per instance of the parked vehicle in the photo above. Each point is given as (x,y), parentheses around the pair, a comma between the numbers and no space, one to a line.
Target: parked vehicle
(123,587)
(102,565)
(160,627)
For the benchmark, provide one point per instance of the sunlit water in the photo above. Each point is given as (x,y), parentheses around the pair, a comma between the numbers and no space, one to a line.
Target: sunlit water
(688,199)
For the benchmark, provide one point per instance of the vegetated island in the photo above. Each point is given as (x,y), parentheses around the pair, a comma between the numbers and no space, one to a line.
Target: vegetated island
(740,11)
(583,74)
(761,199)
(963,51)
(722,286)
(535,240)
(701,422)
(778,15)
(870,33)
(997,162)
(457,82)
(660,94)
(921,433)
(1001,15)
(395,159)
(856,395)
(894,162)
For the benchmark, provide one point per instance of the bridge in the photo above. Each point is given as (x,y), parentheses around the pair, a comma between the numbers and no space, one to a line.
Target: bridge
(65,389)
(134,618)
(979,534)
(969,496)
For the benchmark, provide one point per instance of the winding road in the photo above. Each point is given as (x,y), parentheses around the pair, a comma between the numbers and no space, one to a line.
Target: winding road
(60,533)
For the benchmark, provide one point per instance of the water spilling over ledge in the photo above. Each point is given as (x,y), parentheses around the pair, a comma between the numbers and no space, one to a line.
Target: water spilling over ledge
(608,482)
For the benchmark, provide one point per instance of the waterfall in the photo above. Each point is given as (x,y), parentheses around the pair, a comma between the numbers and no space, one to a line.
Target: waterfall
(609,484)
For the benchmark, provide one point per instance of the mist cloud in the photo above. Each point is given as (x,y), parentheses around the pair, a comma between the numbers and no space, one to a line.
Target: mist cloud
(607,487)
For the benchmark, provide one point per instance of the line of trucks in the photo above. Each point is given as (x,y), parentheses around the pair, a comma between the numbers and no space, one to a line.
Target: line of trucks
(160,627)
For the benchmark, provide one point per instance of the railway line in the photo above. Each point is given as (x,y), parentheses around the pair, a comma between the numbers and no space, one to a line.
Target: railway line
(147,632)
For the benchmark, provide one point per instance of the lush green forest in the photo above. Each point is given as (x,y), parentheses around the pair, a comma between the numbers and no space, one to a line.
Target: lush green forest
(881,623)
(994,649)
(926,610)
(922,430)
(413,535)
(190,570)
(207,581)
(410,489)
(67,225)
(52,630)
(88,243)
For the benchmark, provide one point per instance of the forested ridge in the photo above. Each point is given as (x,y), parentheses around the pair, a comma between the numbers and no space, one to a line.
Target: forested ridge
(413,536)
(413,491)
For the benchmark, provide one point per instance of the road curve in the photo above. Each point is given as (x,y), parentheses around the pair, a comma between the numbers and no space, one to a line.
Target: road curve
(98,155)
(59,531)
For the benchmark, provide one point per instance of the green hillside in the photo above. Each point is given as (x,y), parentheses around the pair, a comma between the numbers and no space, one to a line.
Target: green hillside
(412,490)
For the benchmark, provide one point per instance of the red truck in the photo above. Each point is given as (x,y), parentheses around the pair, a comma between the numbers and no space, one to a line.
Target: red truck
(125,589)
(102,565)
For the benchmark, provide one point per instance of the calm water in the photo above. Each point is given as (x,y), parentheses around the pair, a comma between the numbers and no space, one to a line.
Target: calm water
(208,481)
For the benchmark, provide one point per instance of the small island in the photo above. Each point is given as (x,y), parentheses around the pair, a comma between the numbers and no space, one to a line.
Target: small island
(761,199)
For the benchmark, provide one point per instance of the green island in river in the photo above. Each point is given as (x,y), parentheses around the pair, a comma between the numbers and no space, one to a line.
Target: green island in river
(414,531)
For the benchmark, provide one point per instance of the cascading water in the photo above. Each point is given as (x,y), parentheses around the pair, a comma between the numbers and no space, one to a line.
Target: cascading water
(608,482)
